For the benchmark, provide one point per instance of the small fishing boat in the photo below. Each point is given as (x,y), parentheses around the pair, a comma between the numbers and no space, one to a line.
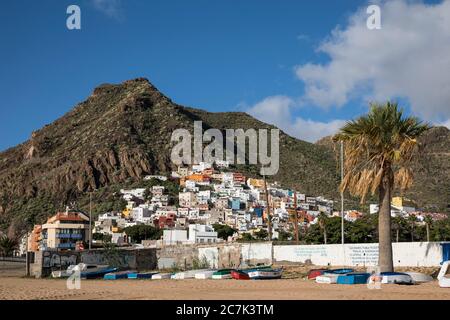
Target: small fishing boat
(82,267)
(419,277)
(161,276)
(222,274)
(396,278)
(204,274)
(97,274)
(353,278)
(338,271)
(314,273)
(327,278)
(239,275)
(117,275)
(265,274)
(444,276)
(242,274)
(141,275)
(187,274)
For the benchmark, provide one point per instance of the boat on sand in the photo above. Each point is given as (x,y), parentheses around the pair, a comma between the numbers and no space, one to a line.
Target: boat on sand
(161,276)
(204,274)
(222,274)
(265,274)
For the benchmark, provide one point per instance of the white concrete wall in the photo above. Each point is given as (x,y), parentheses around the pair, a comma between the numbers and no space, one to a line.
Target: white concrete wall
(259,252)
(211,254)
(423,254)
(406,254)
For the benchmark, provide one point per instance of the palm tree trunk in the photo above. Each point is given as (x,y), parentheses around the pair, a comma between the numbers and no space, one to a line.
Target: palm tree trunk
(325,235)
(385,258)
(428,232)
(398,233)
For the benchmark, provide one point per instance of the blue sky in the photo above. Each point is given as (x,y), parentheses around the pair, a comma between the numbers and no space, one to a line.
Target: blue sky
(224,55)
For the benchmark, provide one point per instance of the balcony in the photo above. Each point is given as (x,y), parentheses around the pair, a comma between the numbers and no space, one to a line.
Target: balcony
(66,246)
(69,236)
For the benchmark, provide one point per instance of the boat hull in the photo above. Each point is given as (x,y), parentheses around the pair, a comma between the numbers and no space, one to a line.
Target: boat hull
(265,274)
(239,275)
(161,276)
(117,275)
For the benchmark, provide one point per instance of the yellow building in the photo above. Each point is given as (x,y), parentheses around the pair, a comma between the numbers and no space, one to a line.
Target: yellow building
(64,230)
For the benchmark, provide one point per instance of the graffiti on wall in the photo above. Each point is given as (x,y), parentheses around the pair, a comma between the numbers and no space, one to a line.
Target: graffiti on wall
(58,259)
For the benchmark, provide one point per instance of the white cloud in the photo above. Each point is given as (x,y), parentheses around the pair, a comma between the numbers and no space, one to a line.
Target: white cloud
(408,58)
(277,110)
(111,8)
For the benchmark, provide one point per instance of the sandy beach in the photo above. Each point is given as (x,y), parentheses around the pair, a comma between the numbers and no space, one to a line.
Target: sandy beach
(14,286)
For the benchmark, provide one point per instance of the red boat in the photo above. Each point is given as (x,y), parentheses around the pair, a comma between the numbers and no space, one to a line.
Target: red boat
(239,275)
(314,273)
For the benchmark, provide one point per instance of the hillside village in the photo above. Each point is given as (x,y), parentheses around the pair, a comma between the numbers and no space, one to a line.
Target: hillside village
(202,196)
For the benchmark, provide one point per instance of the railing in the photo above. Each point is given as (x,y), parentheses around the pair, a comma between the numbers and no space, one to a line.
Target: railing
(69,236)
(66,245)
(13,259)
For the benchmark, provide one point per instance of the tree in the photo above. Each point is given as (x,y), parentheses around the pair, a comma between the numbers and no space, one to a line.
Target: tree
(223,231)
(261,234)
(7,246)
(412,223)
(379,148)
(323,221)
(141,232)
(247,237)
(428,223)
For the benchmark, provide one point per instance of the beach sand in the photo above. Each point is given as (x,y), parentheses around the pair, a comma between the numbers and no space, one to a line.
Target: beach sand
(14,286)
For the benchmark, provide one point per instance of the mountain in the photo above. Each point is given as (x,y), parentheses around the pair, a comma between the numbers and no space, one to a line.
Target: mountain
(122,132)
(118,135)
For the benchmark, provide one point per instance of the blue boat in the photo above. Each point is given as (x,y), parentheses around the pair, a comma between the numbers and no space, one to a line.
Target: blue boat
(353,278)
(117,275)
(339,271)
(94,274)
(141,275)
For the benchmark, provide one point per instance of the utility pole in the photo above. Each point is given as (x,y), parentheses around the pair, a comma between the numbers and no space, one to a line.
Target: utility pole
(296,217)
(342,193)
(90,219)
(269,222)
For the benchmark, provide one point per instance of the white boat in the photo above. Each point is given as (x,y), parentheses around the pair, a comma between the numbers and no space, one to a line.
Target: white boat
(444,275)
(221,276)
(419,277)
(328,278)
(265,274)
(82,267)
(187,274)
(204,274)
(396,278)
(160,276)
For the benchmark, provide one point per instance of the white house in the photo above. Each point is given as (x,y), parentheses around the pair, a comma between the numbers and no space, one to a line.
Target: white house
(201,233)
(171,237)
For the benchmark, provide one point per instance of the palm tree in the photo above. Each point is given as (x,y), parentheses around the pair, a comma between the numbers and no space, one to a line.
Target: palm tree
(7,246)
(379,148)
(428,223)
(322,219)
(412,219)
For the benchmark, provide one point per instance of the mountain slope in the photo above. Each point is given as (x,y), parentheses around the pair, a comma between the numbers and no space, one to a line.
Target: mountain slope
(118,135)
(122,132)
